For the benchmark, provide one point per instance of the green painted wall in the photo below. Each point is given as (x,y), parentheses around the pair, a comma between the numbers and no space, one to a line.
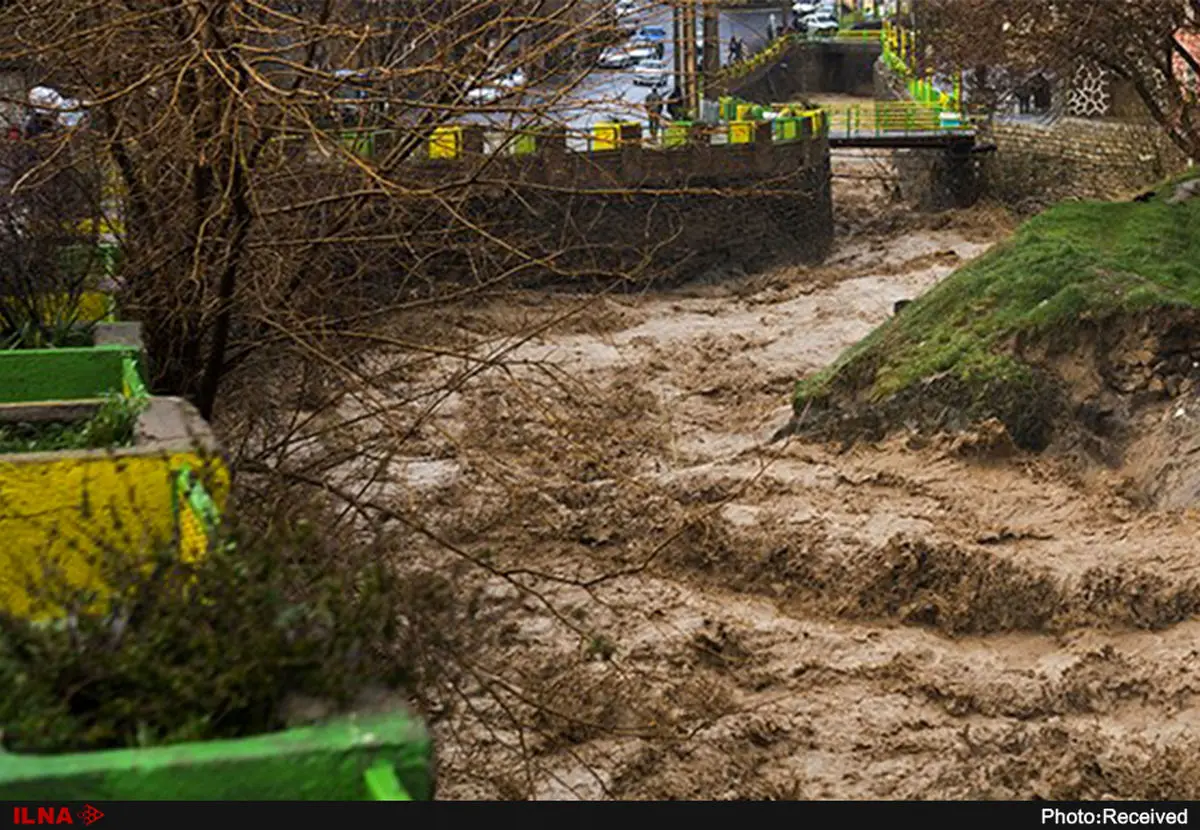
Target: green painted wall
(329,762)
(28,375)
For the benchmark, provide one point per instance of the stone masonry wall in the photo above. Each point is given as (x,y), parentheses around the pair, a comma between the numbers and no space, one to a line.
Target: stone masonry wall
(809,68)
(1079,158)
(638,215)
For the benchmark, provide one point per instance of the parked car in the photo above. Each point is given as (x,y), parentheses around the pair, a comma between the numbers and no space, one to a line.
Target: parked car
(805,9)
(488,94)
(351,95)
(651,34)
(642,52)
(821,23)
(651,73)
(616,57)
(53,109)
(513,80)
(626,8)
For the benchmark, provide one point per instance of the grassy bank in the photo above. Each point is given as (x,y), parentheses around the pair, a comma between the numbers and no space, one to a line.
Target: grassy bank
(1076,262)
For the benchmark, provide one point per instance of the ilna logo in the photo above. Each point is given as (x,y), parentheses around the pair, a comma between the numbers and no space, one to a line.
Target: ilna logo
(89,815)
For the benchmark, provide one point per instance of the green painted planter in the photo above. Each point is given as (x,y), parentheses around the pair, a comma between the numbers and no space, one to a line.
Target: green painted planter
(363,758)
(359,142)
(786,129)
(676,134)
(112,365)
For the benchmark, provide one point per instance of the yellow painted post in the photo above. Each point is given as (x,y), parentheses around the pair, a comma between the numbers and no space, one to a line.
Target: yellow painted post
(741,132)
(605,136)
(446,143)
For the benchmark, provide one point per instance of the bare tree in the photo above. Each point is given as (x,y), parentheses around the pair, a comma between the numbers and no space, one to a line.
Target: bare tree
(1141,41)
(221,126)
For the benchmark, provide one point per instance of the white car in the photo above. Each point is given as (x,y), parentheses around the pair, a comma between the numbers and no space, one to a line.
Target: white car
(821,23)
(651,73)
(805,9)
(44,100)
(485,94)
(513,80)
(626,8)
(616,58)
(641,52)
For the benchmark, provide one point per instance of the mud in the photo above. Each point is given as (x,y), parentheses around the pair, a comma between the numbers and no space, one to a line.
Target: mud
(666,604)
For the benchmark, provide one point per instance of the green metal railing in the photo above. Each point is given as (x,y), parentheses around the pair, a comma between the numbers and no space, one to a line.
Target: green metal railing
(858,35)
(884,118)
(901,51)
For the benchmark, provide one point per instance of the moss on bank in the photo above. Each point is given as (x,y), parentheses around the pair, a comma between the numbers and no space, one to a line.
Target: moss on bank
(954,348)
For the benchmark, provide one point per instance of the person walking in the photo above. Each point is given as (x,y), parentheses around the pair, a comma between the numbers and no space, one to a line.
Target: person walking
(675,104)
(1023,99)
(654,106)
(735,51)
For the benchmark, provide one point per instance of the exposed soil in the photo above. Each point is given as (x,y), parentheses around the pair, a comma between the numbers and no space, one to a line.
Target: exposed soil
(673,606)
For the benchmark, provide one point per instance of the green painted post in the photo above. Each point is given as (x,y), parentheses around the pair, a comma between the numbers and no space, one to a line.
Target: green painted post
(383,785)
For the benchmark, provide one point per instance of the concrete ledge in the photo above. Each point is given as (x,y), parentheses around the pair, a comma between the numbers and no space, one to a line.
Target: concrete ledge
(119,334)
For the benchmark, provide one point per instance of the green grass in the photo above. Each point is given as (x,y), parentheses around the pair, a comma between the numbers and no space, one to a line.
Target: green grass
(1082,260)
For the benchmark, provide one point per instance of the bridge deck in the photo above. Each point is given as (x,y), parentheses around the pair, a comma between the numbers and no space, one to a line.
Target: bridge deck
(900,139)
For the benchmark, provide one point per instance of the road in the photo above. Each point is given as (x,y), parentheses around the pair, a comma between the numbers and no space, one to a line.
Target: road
(612,95)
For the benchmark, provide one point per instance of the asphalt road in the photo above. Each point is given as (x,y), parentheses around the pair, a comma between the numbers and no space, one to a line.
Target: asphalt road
(612,95)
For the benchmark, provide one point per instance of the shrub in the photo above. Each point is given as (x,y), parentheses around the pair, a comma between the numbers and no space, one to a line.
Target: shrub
(202,651)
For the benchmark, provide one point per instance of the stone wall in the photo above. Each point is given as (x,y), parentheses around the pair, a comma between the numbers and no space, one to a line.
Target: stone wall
(637,215)
(810,68)
(1078,158)
(704,228)
(931,180)
(12,89)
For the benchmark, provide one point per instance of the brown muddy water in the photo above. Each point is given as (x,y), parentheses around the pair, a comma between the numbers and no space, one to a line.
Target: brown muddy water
(666,604)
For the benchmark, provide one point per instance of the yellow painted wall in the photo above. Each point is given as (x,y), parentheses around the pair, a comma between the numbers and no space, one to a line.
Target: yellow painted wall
(68,512)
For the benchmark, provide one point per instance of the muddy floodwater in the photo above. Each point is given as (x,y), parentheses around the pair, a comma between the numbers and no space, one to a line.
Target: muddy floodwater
(667,604)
